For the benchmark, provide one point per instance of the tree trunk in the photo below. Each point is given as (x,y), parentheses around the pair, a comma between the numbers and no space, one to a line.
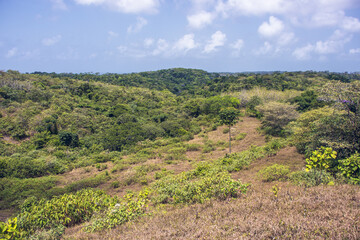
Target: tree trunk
(229,140)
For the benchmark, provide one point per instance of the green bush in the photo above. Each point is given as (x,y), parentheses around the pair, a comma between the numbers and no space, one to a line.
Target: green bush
(15,191)
(192,188)
(240,136)
(131,207)
(311,178)
(69,139)
(66,210)
(274,173)
(350,168)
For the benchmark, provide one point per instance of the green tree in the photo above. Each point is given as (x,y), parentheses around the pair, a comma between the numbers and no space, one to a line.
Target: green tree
(229,116)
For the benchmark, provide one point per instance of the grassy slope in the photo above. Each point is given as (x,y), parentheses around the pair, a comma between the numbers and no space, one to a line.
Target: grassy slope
(323,212)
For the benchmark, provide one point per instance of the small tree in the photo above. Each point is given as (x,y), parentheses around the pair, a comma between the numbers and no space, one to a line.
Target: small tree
(229,116)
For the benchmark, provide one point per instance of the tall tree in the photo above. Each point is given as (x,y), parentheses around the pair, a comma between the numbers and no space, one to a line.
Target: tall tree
(229,116)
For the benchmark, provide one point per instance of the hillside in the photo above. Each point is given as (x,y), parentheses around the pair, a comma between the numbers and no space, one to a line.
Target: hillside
(157,146)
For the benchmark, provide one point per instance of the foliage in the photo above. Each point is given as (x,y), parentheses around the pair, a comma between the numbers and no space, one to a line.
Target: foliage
(321,159)
(276,116)
(274,173)
(69,139)
(90,182)
(307,100)
(129,208)
(66,210)
(9,230)
(15,191)
(350,168)
(188,188)
(311,178)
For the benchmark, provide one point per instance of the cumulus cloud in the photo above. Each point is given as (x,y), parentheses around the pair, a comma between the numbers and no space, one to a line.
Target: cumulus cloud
(12,52)
(51,41)
(161,47)
(351,24)
(184,44)
(272,28)
(303,53)
(200,19)
(217,40)
(125,6)
(140,23)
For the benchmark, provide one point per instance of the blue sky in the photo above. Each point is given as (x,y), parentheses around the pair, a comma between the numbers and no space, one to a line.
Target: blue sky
(123,36)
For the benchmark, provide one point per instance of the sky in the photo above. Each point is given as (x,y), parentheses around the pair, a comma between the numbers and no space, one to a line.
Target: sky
(124,36)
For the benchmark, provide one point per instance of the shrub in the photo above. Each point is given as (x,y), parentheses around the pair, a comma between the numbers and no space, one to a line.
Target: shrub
(350,168)
(240,136)
(321,159)
(69,139)
(276,116)
(129,208)
(66,210)
(274,173)
(187,188)
(311,178)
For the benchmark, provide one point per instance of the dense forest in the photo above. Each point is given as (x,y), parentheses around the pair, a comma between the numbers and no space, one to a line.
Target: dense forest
(112,127)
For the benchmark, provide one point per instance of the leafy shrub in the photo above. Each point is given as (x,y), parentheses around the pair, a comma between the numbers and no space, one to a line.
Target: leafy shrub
(164,172)
(237,161)
(311,178)
(9,230)
(131,207)
(276,116)
(350,168)
(226,130)
(240,136)
(184,188)
(66,210)
(321,159)
(274,172)
(193,147)
(69,139)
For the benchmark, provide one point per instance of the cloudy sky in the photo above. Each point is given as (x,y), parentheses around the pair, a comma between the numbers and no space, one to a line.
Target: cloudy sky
(125,36)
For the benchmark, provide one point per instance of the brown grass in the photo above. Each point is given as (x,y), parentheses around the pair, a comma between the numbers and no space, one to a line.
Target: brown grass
(323,212)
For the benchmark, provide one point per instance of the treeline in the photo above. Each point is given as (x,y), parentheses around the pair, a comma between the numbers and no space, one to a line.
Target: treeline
(198,82)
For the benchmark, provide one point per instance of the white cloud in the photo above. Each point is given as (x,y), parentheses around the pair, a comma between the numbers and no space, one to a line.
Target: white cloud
(59,4)
(51,41)
(254,7)
(272,28)
(265,49)
(184,44)
(354,51)
(351,24)
(140,23)
(148,42)
(303,53)
(200,19)
(125,6)
(217,40)
(161,47)
(238,44)
(12,52)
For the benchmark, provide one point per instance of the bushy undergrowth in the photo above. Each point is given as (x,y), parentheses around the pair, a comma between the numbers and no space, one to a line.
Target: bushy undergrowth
(274,172)
(188,188)
(66,210)
(311,178)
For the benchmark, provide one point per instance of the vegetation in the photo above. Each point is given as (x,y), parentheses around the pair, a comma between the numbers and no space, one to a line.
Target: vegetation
(101,150)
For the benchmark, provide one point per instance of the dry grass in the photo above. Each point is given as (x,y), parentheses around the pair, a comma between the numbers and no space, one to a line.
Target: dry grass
(324,212)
